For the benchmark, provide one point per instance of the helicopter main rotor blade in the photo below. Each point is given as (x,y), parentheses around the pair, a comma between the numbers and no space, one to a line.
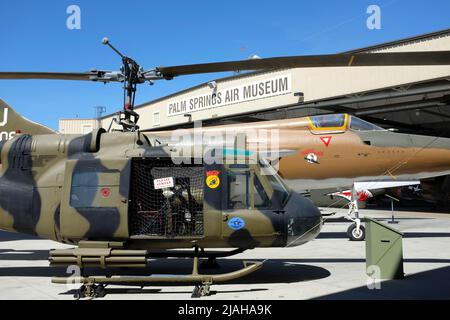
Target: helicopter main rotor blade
(312,61)
(48,75)
(101,76)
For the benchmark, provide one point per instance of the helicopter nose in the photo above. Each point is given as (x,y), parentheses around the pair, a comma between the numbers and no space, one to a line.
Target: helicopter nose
(304,220)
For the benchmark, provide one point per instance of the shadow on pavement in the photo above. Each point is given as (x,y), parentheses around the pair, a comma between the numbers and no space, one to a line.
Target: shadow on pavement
(115,290)
(13,236)
(344,220)
(433,284)
(343,235)
(23,255)
(273,271)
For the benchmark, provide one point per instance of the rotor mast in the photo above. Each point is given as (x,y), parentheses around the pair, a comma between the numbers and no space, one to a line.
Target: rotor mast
(132,77)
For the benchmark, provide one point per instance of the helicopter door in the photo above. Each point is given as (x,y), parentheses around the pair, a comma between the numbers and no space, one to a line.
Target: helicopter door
(249,218)
(94,205)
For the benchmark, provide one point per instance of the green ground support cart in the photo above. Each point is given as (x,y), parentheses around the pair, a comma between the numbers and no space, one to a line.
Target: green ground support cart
(383,250)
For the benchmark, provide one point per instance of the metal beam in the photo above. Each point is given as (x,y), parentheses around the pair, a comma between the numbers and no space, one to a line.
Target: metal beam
(373,97)
(404,106)
(437,114)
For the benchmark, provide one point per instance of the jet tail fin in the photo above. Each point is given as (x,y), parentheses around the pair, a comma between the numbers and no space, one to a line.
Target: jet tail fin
(12,123)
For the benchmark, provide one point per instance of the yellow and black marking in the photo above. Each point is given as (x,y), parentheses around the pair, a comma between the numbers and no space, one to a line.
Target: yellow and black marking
(212,181)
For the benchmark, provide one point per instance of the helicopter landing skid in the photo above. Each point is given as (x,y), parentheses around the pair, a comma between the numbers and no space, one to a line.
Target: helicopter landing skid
(94,286)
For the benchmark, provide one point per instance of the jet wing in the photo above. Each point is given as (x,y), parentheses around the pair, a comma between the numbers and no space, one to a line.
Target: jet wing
(363,189)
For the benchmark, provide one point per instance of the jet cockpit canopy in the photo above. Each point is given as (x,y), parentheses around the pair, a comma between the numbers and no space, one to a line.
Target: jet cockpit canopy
(340,123)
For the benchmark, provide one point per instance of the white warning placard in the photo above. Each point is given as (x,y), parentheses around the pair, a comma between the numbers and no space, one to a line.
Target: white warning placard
(163,183)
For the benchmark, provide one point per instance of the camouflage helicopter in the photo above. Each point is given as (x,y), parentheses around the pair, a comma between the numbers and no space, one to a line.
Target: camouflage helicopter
(122,197)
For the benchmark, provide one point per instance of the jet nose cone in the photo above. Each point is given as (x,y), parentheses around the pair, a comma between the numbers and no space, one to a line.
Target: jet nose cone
(304,220)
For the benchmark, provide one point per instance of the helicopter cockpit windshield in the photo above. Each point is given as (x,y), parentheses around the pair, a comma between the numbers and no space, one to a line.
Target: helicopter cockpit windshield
(281,190)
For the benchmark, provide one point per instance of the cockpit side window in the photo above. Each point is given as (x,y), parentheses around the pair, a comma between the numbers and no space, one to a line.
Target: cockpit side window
(88,185)
(362,125)
(260,198)
(280,189)
(329,122)
(238,190)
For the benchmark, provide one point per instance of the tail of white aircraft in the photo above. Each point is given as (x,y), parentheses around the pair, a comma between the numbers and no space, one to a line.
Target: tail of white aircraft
(12,123)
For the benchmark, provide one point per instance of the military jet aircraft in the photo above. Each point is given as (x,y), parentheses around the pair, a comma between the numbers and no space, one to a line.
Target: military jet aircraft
(119,196)
(339,151)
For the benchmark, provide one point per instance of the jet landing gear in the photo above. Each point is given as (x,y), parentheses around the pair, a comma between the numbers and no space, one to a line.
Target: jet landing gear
(356,234)
(356,231)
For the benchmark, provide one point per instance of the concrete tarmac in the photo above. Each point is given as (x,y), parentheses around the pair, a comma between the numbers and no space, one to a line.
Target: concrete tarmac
(330,267)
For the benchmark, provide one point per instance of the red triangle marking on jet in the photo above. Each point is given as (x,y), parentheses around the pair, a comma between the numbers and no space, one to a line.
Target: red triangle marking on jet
(326,140)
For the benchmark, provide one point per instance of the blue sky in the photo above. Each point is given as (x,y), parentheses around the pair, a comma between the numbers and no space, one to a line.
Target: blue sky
(34,37)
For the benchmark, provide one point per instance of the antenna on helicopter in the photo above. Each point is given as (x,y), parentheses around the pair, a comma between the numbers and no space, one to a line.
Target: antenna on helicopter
(106,42)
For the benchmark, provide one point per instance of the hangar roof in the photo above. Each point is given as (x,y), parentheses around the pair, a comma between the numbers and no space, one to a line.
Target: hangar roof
(404,41)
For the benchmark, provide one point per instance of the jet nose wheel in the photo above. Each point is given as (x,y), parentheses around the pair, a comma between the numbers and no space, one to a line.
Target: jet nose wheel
(354,234)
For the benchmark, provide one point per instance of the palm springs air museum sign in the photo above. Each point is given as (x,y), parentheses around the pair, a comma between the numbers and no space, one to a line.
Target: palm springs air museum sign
(264,88)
